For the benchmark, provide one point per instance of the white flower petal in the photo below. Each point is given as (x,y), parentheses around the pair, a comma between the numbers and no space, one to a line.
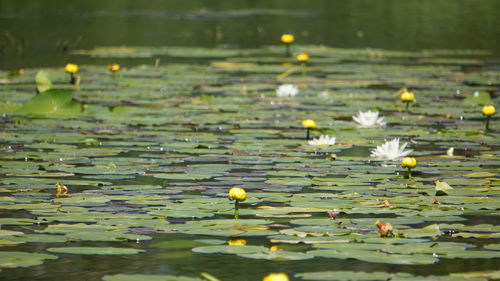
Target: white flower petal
(368,119)
(287,90)
(322,140)
(390,150)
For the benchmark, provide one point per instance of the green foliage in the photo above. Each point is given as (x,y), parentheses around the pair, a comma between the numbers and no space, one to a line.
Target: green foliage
(43,82)
(52,103)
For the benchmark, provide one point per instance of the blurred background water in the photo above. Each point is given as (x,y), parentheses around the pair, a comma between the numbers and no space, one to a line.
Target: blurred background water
(36,33)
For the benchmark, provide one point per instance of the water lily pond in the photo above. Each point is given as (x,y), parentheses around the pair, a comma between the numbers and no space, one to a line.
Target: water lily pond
(126,175)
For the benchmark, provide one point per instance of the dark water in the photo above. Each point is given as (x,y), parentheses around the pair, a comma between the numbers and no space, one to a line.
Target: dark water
(31,32)
(226,267)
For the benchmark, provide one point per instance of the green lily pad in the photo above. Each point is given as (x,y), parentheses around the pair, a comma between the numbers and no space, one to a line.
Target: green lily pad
(148,277)
(95,250)
(52,103)
(367,276)
(22,259)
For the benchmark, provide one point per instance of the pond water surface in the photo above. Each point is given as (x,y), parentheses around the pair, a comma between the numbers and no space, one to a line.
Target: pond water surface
(148,154)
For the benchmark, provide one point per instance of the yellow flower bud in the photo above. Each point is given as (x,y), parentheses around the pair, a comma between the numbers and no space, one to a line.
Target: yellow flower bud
(287,38)
(276,277)
(302,57)
(114,67)
(274,248)
(237,194)
(407,96)
(237,242)
(489,110)
(309,124)
(409,162)
(71,68)
(61,189)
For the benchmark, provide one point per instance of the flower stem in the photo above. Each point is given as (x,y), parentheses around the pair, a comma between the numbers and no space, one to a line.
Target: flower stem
(409,173)
(73,79)
(288,52)
(488,122)
(303,68)
(307,133)
(407,106)
(236,209)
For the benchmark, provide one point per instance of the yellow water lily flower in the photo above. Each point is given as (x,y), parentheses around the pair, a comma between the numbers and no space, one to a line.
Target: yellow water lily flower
(407,96)
(237,242)
(61,189)
(489,110)
(287,38)
(274,248)
(309,124)
(276,277)
(71,68)
(237,194)
(409,162)
(302,57)
(114,67)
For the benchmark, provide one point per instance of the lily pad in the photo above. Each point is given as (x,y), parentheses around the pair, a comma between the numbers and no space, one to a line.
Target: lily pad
(22,259)
(148,277)
(95,250)
(53,103)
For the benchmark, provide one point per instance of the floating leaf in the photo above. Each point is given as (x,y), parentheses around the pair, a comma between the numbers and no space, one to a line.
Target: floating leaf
(368,276)
(148,277)
(489,274)
(95,250)
(478,98)
(22,259)
(52,103)
(442,188)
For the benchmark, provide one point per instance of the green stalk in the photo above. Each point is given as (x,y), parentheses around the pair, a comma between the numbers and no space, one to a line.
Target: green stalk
(409,173)
(407,106)
(488,122)
(73,79)
(304,70)
(288,52)
(236,209)
(307,133)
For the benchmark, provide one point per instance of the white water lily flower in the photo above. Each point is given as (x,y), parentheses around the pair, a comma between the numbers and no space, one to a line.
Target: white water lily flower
(323,140)
(390,150)
(287,90)
(369,119)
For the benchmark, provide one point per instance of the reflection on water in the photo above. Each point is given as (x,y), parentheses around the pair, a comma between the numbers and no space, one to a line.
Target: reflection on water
(179,261)
(34,31)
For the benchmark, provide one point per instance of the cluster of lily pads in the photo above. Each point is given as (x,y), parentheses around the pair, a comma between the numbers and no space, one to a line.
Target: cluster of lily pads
(153,150)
